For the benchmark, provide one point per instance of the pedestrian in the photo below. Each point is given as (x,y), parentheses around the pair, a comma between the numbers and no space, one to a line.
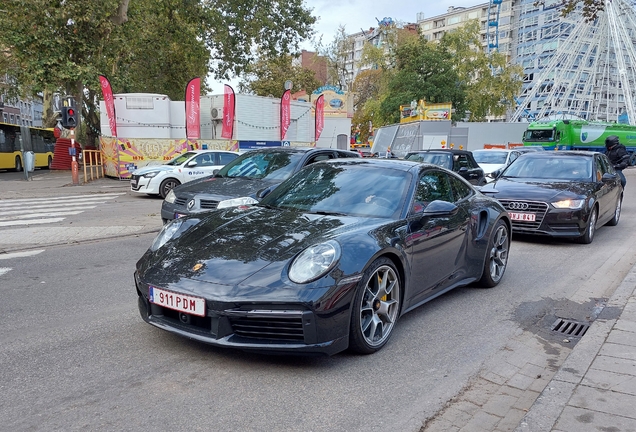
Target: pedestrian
(618,156)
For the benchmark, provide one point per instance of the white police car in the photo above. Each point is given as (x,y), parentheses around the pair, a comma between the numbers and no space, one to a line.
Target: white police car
(160,179)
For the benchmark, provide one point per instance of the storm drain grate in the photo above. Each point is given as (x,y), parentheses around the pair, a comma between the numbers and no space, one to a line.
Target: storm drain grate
(570,328)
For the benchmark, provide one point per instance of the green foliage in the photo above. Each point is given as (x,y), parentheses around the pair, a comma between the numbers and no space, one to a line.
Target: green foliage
(149,46)
(267,77)
(490,83)
(423,71)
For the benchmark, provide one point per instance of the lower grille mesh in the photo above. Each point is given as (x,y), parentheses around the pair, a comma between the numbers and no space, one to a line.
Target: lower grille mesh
(289,329)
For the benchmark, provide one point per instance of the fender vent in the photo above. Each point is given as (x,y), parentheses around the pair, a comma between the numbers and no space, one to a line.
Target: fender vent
(570,328)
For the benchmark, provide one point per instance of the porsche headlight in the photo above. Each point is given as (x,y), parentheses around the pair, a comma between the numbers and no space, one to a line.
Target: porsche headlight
(150,174)
(314,262)
(166,233)
(569,204)
(171,197)
(235,202)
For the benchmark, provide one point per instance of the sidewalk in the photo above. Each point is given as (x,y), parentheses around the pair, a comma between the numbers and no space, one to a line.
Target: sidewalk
(595,388)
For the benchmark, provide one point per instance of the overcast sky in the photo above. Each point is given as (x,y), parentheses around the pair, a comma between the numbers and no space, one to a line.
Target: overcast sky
(356,15)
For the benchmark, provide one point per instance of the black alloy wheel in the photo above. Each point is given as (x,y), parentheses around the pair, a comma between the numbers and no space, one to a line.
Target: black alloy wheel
(167,185)
(497,257)
(376,307)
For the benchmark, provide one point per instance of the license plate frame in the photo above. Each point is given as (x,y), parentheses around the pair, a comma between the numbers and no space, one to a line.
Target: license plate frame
(185,303)
(522,217)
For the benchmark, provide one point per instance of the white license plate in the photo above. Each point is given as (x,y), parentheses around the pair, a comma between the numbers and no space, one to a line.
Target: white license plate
(178,302)
(527,217)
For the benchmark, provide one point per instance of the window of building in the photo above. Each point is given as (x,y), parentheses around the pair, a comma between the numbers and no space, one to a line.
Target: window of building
(473,15)
(426,26)
(454,20)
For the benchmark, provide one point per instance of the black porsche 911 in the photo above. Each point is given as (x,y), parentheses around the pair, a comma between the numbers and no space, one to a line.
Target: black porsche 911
(560,193)
(329,260)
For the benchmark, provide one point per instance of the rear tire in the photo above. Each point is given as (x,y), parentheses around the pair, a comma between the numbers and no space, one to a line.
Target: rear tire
(18,164)
(167,185)
(497,257)
(50,163)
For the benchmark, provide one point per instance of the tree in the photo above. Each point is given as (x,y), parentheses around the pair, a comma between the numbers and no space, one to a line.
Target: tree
(589,8)
(490,83)
(423,71)
(145,46)
(336,54)
(267,77)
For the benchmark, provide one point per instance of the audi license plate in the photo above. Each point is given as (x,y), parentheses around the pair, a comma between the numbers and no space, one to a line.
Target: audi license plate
(526,217)
(178,302)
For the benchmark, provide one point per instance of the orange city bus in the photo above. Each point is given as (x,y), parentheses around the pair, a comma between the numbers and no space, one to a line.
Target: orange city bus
(14,140)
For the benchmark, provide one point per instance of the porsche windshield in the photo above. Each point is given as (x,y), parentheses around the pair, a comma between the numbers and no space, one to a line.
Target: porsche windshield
(355,190)
(275,165)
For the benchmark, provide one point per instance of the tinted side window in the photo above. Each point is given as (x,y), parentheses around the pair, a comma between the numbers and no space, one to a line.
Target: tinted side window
(461,161)
(205,159)
(319,157)
(433,185)
(342,154)
(460,189)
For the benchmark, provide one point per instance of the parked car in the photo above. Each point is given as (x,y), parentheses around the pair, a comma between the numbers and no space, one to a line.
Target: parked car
(188,166)
(559,194)
(493,159)
(243,179)
(329,260)
(460,161)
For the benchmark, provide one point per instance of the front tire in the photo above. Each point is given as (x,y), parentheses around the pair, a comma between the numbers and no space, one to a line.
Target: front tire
(497,257)
(167,185)
(376,307)
(590,229)
(617,212)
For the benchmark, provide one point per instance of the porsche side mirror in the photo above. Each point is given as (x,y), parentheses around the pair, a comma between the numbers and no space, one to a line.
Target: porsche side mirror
(440,208)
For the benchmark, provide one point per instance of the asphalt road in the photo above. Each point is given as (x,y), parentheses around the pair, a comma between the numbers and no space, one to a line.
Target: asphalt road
(75,355)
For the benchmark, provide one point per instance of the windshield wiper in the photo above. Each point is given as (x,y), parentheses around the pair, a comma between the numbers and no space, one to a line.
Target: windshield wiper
(329,213)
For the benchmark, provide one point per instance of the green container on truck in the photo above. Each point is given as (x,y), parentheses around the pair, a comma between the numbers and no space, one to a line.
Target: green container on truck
(579,135)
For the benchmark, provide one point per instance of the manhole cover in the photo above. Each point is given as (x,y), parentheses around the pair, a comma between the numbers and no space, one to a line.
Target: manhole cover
(570,328)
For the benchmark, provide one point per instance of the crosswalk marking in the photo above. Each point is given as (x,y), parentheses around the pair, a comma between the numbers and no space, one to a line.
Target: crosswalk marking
(31,211)
(20,254)
(6,256)
(65,197)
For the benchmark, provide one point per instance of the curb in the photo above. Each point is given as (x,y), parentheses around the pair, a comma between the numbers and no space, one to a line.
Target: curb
(549,406)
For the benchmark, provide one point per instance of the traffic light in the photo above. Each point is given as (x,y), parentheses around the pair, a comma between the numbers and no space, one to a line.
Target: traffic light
(69,117)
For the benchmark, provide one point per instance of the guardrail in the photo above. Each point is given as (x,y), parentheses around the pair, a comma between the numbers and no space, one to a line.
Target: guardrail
(93,164)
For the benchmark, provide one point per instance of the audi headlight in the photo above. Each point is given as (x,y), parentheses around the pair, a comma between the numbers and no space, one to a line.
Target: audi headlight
(150,174)
(569,204)
(314,262)
(171,197)
(235,202)
(167,232)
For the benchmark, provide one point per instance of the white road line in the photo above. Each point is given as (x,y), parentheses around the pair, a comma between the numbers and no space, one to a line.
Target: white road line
(56,203)
(93,196)
(31,222)
(45,209)
(4,270)
(20,254)
(40,215)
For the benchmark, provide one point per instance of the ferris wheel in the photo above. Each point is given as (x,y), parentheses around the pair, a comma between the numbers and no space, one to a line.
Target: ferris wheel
(591,74)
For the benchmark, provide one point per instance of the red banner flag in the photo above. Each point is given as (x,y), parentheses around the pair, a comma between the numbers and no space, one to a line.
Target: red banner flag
(109,101)
(285,113)
(228,112)
(320,115)
(192,107)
